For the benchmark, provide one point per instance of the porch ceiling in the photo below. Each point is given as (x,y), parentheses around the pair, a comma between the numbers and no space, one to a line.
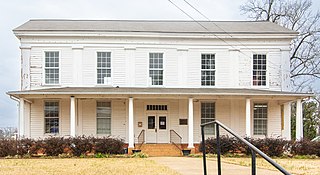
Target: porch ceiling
(125,92)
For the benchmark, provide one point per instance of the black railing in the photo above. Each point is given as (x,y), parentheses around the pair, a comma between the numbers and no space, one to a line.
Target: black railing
(175,138)
(141,138)
(254,150)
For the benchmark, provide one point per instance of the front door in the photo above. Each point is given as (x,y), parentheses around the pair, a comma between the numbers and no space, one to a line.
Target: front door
(157,131)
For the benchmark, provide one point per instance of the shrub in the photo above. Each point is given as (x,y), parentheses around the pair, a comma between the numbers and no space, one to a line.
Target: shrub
(270,146)
(107,145)
(55,145)
(8,147)
(81,145)
(305,147)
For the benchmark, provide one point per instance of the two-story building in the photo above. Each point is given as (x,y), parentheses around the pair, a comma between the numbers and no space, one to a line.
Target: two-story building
(120,77)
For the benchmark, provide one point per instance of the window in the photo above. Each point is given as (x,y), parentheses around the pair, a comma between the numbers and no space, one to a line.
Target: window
(103,117)
(157,107)
(259,70)
(51,67)
(51,117)
(103,66)
(260,114)
(208,69)
(208,115)
(156,68)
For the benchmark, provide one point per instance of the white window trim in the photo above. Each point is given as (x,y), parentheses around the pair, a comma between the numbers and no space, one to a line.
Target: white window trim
(163,69)
(267,71)
(215,70)
(252,118)
(96,119)
(44,67)
(96,67)
(60,114)
(199,114)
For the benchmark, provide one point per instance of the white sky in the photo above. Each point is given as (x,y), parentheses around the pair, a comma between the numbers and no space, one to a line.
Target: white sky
(16,12)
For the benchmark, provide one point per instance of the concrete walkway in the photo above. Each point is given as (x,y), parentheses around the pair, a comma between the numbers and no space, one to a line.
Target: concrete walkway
(194,166)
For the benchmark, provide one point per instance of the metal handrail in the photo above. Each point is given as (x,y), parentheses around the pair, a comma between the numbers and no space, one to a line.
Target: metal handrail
(141,138)
(172,134)
(253,149)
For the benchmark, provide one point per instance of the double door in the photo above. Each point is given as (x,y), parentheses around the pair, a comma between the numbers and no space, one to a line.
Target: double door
(157,129)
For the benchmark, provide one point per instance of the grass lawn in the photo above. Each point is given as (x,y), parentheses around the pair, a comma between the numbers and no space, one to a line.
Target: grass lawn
(83,166)
(294,166)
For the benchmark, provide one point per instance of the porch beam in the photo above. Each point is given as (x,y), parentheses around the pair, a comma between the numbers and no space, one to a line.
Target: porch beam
(190,124)
(131,129)
(72,117)
(299,120)
(21,117)
(248,117)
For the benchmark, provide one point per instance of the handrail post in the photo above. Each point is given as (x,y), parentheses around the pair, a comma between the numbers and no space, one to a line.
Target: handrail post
(218,148)
(253,162)
(203,151)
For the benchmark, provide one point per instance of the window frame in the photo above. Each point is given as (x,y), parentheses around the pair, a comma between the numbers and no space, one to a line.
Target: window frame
(149,69)
(44,117)
(96,117)
(214,117)
(44,67)
(211,70)
(96,66)
(266,70)
(265,119)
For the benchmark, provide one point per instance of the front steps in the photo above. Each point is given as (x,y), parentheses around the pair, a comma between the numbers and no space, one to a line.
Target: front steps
(158,150)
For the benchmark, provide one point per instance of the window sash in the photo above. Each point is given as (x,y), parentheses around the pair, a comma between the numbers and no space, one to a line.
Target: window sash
(51,67)
(103,66)
(260,119)
(208,115)
(208,69)
(156,68)
(103,115)
(51,117)
(259,70)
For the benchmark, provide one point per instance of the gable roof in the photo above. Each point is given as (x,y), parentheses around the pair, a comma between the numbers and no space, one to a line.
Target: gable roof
(154,26)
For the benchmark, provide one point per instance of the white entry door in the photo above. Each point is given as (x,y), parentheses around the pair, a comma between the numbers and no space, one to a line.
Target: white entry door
(157,131)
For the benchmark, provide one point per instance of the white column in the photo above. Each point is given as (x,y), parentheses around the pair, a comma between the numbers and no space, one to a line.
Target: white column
(299,121)
(72,117)
(190,123)
(21,117)
(131,130)
(248,118)
(287,121)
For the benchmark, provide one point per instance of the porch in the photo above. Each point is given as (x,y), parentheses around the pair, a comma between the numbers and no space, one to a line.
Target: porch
(157,111)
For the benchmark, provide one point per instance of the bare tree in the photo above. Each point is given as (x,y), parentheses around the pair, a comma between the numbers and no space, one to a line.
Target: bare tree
(305,49)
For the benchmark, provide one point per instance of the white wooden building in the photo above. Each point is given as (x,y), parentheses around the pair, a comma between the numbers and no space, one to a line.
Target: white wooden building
(118,77)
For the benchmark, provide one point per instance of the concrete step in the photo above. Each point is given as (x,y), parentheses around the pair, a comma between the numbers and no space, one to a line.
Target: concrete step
(156,150)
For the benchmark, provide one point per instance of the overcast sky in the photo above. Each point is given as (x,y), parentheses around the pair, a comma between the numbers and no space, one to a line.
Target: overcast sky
(16,12)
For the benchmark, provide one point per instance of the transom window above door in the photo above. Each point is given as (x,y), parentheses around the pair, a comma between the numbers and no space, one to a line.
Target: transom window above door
(157,107)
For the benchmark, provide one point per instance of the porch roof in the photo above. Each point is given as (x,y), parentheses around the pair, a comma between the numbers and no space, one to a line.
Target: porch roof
(158,91)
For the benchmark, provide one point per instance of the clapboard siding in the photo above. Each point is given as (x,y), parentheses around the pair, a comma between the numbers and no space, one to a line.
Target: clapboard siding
(193,68)
(36,67)
(118,119)
(118,61)
(171,67)
(274,119)
(142,67)
(37,119)
(89,120)
(66,66)
(274,65)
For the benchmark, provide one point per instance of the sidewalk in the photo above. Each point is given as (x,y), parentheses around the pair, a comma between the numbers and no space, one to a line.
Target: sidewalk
(194,166)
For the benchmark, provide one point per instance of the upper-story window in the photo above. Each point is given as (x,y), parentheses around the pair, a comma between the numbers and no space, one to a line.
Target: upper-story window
(51,67)
(103,67)
(156,68)
(208,70)
(259,76)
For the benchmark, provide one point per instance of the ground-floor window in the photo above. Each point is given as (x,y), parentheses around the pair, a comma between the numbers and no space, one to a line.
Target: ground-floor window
(260,113)
(103,117)
(51,117)
(208,115)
